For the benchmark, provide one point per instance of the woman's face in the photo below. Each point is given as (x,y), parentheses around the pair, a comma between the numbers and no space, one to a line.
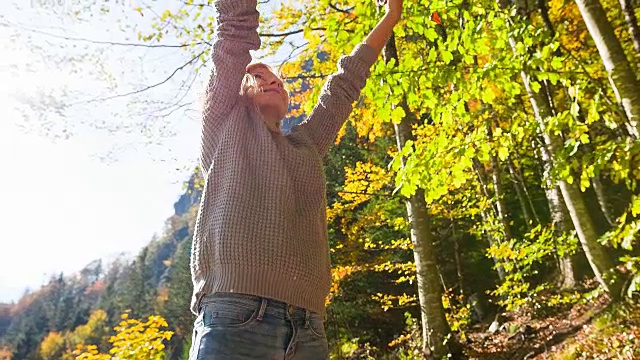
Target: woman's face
(270,94)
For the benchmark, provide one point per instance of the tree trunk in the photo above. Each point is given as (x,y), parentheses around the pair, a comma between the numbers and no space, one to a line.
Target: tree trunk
(435,328)
(602,200)
(501,205)
(628,92)
(502,274)
(632,23)
(499,194)
(523,196)
(486,218)
(623,80)
(596,180)
(456,252)
(595,252)
(560,220)
(438,341)
(631,130)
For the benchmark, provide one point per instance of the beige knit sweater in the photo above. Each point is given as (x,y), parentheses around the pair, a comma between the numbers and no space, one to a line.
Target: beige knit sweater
(261,227)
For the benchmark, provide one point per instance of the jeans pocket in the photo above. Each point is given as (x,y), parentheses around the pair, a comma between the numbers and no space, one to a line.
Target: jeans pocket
(316,325)
(229,315)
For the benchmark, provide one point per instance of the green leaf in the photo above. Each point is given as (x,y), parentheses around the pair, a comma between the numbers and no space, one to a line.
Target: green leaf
(446,56)
(503,153)
(556,63)
(446,117)
(584,183)
(553,78)
(584,138)
(431,34)
(535,86)
(488,95)
(398,114)
(396,163)
(432,55)
(635,206)
(468,59)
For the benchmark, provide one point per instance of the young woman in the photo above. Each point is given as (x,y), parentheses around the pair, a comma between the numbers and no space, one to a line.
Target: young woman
(260,256)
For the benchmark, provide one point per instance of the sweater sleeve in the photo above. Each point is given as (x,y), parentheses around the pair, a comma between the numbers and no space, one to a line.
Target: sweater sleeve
(236,34)
(337,96)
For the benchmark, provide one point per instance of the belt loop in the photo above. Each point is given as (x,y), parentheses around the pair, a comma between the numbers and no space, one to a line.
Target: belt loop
(263,307)
(307,314)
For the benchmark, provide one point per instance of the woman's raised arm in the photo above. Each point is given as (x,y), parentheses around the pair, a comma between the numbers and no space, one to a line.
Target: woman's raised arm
(343,88)
(236,34)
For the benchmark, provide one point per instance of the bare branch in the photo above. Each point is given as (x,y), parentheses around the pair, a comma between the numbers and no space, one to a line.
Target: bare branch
(144,88)
(312,76)
(70,38)
(184,89)
(292,32)
(176,107)
(294,48)
(346,11)
(365,193)
(201,5)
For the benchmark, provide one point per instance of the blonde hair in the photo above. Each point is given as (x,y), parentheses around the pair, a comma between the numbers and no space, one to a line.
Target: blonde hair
(250,83)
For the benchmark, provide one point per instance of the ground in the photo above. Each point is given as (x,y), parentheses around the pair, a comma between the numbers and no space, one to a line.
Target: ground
(593,328)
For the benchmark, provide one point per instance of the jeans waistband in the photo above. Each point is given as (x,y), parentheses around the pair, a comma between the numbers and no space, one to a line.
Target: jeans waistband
(267,306)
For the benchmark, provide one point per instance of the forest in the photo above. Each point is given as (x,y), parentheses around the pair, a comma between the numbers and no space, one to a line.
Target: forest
(483,197)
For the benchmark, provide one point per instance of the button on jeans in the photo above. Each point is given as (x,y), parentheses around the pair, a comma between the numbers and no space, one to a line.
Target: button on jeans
(234,326)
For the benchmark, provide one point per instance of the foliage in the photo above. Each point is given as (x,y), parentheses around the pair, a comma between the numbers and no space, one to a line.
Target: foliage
(458,314)
(407,346)
(134,340)
(62,304)
(521,260)
(176,307)
(59,345)
(625,236)
(52,346)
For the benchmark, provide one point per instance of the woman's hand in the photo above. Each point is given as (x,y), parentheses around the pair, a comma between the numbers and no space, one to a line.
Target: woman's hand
(382,32)
(394,9)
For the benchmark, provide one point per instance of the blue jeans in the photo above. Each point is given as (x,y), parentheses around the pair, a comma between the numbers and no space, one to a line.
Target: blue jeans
(234,326)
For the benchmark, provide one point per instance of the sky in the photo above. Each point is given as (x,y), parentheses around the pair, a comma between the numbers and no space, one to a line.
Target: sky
(95,178)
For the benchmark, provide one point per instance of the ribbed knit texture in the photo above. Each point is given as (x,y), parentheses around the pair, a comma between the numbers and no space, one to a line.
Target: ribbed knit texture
(261,227)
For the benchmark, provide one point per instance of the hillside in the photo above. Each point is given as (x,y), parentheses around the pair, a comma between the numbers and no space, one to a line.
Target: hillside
(68,301)
(5,317)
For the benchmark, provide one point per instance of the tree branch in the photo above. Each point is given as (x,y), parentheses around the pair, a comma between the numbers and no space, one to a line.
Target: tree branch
(292,32)
(144,88)
(176,107)
(617,108)
(294,48)
(422,70)
(70,38)
(366,193)
(346,11)
(312,76)
(201,5)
